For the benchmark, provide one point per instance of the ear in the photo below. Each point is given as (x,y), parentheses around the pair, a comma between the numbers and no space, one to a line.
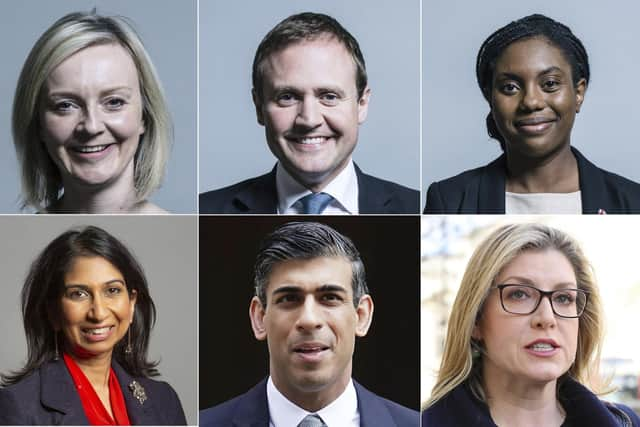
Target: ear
(363,105)
(581,89)
(257,102)
(133,297)
(364,313)
(256,314)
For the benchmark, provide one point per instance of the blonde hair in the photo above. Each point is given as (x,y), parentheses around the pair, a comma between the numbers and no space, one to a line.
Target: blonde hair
(41,179)
(490,257)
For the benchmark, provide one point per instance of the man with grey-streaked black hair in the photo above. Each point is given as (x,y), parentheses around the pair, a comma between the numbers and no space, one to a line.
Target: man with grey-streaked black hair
(311,302)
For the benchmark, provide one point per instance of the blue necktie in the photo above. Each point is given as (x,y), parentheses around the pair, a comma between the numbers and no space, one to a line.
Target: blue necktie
(315,203)
(312,420)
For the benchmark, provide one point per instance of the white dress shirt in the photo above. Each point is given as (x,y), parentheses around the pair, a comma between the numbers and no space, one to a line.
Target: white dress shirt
(343,188)
(543,203)
(342,412)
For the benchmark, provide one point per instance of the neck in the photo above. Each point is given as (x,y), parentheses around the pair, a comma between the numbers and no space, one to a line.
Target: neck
(313,398)
(514,402)
(95,368)
(555,173)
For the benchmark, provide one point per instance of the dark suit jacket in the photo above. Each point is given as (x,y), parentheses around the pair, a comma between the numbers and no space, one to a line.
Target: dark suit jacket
(584,409)
(49,397)
(482,190)
(252,410)
(259,196)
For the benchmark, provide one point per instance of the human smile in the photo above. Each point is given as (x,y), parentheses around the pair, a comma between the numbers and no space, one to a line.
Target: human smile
(92,152)
(98,334)
(535,125)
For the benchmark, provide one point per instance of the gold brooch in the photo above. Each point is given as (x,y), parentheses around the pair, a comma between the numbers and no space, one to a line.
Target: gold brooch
(138,391)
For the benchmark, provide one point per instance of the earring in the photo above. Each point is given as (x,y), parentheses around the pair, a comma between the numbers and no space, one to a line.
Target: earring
(56,355)
(128,349)
(476,349)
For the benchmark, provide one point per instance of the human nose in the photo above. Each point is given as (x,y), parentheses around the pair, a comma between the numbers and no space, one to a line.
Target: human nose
(544,316)
(309,114)
(309,317)
(532,99)
(98,310)
(91,122)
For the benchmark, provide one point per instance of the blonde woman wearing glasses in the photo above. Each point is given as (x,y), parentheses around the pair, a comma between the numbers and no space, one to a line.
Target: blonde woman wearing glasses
(524,338)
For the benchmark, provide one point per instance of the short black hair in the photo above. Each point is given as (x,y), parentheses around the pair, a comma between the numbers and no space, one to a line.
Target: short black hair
(44,286)
(532,26)
(307,26)
(306,240)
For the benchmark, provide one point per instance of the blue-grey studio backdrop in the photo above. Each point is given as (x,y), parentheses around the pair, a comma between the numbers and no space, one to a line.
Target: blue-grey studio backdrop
(454,133)
(166,248)
(232,143)
(168,30)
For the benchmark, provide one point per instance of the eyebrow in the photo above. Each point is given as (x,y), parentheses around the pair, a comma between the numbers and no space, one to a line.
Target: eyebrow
(70,93)
(526,281)
(513,76)
(83,286)
(297,289)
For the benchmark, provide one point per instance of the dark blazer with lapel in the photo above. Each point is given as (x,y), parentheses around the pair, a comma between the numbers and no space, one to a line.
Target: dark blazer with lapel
(252,410)
(259,196)
(482,191)
(583,408)
(49,397)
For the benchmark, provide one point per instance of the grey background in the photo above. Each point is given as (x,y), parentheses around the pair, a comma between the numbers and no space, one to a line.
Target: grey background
(166,248)
(168,30)
(454,133)
(232,143)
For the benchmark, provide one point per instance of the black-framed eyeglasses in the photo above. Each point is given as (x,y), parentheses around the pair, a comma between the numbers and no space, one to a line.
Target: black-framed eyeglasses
(525,299)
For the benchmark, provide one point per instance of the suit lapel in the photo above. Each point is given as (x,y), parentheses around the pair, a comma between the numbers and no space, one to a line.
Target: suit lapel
(260,196)
(372,412)
(253,409)
(58,392)
(593,190)
(140,412)
(491,188)
(372,198)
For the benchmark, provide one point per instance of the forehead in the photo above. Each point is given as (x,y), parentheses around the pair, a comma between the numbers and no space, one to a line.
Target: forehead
(310,274)
(103,65)
(531,55)
(91,269)
(317,62)
(545,269)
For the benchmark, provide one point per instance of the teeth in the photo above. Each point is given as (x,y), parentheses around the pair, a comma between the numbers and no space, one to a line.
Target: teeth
(98,331)
(93,149)
(315,140)
(542,347)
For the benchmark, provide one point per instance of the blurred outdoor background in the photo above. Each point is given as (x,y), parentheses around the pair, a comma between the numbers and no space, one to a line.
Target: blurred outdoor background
(610,242)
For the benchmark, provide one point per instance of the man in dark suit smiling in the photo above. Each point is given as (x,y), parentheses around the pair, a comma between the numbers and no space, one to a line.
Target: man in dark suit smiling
(311,94)
(311,302)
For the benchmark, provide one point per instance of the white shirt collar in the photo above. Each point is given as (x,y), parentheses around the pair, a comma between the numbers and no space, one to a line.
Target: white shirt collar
(343,188)
(284,413)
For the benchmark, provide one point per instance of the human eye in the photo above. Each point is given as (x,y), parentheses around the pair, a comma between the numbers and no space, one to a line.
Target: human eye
(564,297)
(63,106)
(287,299)
(518,293)
(550,85)
(285,99)
(76,294)
(329,98)
(114,103)
(332,298)
(509,88)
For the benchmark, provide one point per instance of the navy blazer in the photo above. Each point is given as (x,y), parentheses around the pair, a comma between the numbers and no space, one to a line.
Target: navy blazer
(49,397)
(252,410)
(259,196)
(482,190)
(583,408)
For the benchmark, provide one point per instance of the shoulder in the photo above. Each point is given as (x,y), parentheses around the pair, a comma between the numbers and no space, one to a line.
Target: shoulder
(397,198)
(17,403)
(221,201)
(624,414)
(146,207)
(247,408)
(164,398)
(371,405)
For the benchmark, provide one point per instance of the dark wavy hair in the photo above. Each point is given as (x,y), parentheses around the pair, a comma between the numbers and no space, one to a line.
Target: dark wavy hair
(532,26)
(44,286)
(307,26)
(307,240)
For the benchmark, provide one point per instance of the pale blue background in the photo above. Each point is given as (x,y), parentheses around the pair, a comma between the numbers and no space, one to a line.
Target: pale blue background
(232,143)
(168,30)
(454,133)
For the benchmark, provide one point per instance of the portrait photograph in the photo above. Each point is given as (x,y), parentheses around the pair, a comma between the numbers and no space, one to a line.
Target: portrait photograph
(100,111)
(83,292)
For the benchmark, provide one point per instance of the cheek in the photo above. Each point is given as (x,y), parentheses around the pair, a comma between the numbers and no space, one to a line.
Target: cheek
(56,129)
(126,126)
(278,120)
